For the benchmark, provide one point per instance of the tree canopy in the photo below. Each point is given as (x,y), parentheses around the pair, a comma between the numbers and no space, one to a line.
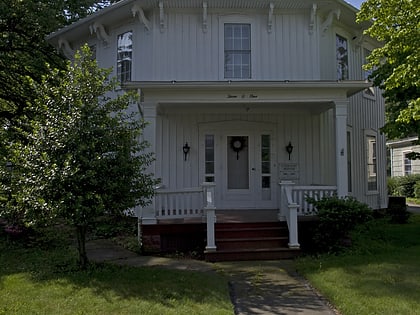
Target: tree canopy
(24,51)
(83,156)
(396,65)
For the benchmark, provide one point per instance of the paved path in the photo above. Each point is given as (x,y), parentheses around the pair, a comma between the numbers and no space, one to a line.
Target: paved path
(256,287)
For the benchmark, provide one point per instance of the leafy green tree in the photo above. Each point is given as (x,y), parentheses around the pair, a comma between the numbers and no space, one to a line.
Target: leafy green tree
(396,65)
(84,156)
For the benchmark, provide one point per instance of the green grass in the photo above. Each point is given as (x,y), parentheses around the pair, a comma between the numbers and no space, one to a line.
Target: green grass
(37,281)
(380,274)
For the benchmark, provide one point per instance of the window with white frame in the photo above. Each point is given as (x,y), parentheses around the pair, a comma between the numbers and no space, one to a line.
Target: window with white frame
(407,164)
(209,158)
(370,91)
(342,57)
(237,51)
(124,56)
(372,179)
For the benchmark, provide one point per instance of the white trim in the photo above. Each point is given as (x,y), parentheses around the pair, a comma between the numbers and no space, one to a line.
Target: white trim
(240,19)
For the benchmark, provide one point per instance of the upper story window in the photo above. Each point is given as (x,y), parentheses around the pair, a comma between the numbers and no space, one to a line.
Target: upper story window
(342,58)
(369,92)
(237,43)
(124,56)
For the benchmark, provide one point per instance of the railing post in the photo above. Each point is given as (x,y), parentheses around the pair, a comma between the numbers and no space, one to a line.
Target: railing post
(210,211)
(289,210)
(293,226)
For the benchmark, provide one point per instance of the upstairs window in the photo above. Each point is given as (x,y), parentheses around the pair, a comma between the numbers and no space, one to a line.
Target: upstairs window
(124,56)
(370,91)
(237,43)
(342,58)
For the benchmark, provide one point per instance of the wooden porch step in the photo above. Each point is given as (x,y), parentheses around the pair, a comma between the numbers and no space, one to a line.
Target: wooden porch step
(237,232)
(252,254)
(251,242)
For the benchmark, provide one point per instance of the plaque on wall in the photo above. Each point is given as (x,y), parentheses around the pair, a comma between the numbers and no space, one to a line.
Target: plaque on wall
(289,171)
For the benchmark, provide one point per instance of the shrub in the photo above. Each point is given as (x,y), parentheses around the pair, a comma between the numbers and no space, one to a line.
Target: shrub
(417,190)
(337,218)
(397,210)
(403,185)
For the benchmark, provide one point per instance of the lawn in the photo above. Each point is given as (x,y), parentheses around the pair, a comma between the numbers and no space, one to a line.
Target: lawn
(37,281)
(380,274)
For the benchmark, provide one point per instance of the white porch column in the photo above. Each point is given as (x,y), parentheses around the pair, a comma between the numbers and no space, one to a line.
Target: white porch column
(340,112)
(147,214)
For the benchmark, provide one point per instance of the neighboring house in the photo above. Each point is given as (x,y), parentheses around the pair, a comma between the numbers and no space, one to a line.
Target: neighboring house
(400,164)
(252,105)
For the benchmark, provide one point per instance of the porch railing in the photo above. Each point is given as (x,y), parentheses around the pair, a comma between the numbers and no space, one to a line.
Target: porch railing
(293,203)
(181,203)
(301,193)
(189,203)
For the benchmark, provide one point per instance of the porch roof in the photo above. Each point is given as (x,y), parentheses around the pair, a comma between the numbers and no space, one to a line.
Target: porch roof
(343,88)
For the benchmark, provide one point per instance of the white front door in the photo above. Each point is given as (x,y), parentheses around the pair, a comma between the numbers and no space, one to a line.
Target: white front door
(241,163)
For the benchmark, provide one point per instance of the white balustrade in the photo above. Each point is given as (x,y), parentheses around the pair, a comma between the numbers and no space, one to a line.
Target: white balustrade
(300,194)
(182,203)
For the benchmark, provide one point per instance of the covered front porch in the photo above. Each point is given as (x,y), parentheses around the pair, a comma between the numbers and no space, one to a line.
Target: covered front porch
(234,233)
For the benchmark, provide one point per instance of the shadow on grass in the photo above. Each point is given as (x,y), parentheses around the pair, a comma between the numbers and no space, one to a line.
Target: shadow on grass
(382,266)
(58,265)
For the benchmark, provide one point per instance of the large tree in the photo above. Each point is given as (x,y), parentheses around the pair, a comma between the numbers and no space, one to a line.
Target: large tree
(396,65)
(24,51)
(84,156)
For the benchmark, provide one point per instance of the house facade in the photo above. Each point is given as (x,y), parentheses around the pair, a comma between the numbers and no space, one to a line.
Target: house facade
(400,164)
(252,105)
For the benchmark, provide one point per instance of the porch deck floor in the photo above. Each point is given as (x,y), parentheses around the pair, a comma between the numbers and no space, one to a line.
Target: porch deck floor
(237,216)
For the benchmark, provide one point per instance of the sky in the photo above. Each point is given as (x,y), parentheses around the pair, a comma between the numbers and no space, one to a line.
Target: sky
(355,3)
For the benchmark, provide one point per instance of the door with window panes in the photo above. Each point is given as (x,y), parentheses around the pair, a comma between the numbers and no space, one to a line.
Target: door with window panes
(241,165)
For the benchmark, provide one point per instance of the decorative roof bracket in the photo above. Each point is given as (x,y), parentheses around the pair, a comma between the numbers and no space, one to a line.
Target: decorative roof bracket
(65,47)
(161,17)
(327,23)
(137,10)
(270,18)
(205,17)
(358,38)
(313,18)
(100,31)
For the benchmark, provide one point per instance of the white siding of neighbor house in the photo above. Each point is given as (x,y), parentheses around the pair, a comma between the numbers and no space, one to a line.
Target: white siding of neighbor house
(397,160)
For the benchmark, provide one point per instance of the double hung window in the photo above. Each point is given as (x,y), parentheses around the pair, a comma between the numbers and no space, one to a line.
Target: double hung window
(124,56)
(237,49)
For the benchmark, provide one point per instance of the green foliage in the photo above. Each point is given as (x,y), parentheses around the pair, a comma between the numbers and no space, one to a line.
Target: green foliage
(337,218)
(83,156)
(403,185)
(397,210)
(396,65)
(417,190)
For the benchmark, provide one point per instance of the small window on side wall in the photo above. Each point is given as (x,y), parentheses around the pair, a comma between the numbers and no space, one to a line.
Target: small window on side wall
(407,164)
(124,56)
(372,178)
(342,58)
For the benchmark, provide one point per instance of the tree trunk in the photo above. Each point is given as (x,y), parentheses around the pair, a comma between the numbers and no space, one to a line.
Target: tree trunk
(81,245)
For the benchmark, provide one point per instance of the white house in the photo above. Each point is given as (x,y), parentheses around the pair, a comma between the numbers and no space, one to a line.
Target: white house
(252,105)
(400,163)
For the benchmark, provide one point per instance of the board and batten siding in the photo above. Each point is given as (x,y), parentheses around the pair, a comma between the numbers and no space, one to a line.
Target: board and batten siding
(184,52)
(304,130)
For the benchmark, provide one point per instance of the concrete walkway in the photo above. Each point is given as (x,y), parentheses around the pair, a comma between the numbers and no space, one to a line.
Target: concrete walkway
(256,287)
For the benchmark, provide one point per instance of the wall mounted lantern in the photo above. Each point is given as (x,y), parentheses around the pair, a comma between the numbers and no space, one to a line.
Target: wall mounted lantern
(186,149)
(289,148)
